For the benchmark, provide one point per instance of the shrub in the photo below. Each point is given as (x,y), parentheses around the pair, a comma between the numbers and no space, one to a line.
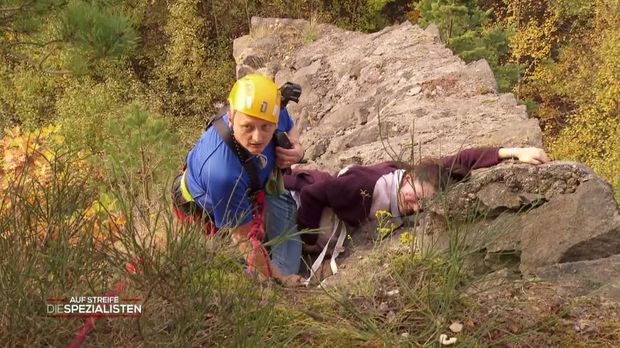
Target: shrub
(467,29)
(140,154)
(49,232)
(61,237)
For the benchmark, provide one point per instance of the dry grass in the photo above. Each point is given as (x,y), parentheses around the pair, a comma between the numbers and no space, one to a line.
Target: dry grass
(195,291)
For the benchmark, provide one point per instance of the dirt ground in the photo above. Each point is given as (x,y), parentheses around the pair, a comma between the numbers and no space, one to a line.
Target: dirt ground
(512,311)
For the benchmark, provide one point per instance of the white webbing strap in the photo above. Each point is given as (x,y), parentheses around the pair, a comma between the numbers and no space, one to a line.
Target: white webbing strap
(337,226)
(338,248)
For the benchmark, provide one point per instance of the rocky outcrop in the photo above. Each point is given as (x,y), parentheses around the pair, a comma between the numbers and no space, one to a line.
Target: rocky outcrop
(398,93)
(558,212)
(401,94)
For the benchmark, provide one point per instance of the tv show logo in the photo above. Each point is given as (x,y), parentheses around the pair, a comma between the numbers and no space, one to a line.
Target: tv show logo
(94,306)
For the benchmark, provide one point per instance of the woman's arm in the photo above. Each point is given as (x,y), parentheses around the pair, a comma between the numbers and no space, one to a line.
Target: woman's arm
(464,161)
(473,158)
(484,157)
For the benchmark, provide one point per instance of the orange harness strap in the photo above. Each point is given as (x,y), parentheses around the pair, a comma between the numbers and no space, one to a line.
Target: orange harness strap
(257,234)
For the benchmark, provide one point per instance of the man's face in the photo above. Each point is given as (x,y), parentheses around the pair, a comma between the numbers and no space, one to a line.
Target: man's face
(411,193)
(250,132)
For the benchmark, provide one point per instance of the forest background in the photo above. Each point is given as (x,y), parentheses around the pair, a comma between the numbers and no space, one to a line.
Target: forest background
(100,100)
(79,63)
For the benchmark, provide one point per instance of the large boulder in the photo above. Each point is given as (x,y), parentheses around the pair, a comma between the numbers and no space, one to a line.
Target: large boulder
(559,212)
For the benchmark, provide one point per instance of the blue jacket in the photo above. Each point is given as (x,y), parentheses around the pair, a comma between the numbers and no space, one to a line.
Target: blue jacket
(218,182)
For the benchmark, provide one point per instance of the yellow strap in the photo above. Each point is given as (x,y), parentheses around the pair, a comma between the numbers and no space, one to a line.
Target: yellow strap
(184,191)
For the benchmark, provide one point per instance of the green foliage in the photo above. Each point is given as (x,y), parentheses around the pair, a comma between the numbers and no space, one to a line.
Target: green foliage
(141,152)
(38,84)
(366,16)
(507,76)
(191,77)
(454,18)
(193,288)
(532,106)
(360,15)
(574,80)
(46,235)
(310,33)
(83,109)
(180,65)
(465,28)
(90,30)
(101,32)
(24,16)
(26,97)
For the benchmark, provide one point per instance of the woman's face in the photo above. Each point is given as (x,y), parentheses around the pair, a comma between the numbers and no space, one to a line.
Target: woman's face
(411,193)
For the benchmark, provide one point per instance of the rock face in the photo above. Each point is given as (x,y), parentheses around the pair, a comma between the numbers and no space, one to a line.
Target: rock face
(558,212)
(600,277)
(401,94)
(373,97)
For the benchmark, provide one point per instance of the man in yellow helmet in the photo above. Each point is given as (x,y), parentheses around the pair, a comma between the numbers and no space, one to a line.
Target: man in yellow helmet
(227,171)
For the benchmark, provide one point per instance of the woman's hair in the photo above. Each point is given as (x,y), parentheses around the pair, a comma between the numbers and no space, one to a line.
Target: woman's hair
(433,172)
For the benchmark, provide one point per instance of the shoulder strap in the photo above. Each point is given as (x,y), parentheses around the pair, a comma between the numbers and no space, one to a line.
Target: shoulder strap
(244,155)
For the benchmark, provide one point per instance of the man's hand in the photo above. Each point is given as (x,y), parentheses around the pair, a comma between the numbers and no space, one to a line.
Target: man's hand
(291,280)
(285,158)
(262,262)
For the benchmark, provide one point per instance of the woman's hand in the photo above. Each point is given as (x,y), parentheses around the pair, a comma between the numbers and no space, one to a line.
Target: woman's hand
(532,155)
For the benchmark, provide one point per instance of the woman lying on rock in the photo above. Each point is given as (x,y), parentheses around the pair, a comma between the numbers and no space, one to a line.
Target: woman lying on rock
(358,192)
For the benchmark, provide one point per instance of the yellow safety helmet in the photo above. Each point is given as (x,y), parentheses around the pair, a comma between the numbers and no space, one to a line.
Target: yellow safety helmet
(256,95)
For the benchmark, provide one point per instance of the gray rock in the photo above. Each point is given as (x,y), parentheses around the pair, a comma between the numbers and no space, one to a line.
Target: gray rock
(260,26)
(553,213)
(269,71)
(592,277)
(480,77)
(361,114)
(402,75)
(433,31)
(400,94)
(316,150)
(243,70)
(252,59)
(240,44)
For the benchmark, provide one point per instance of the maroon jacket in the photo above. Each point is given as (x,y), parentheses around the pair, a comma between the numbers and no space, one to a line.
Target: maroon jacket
(350,195)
